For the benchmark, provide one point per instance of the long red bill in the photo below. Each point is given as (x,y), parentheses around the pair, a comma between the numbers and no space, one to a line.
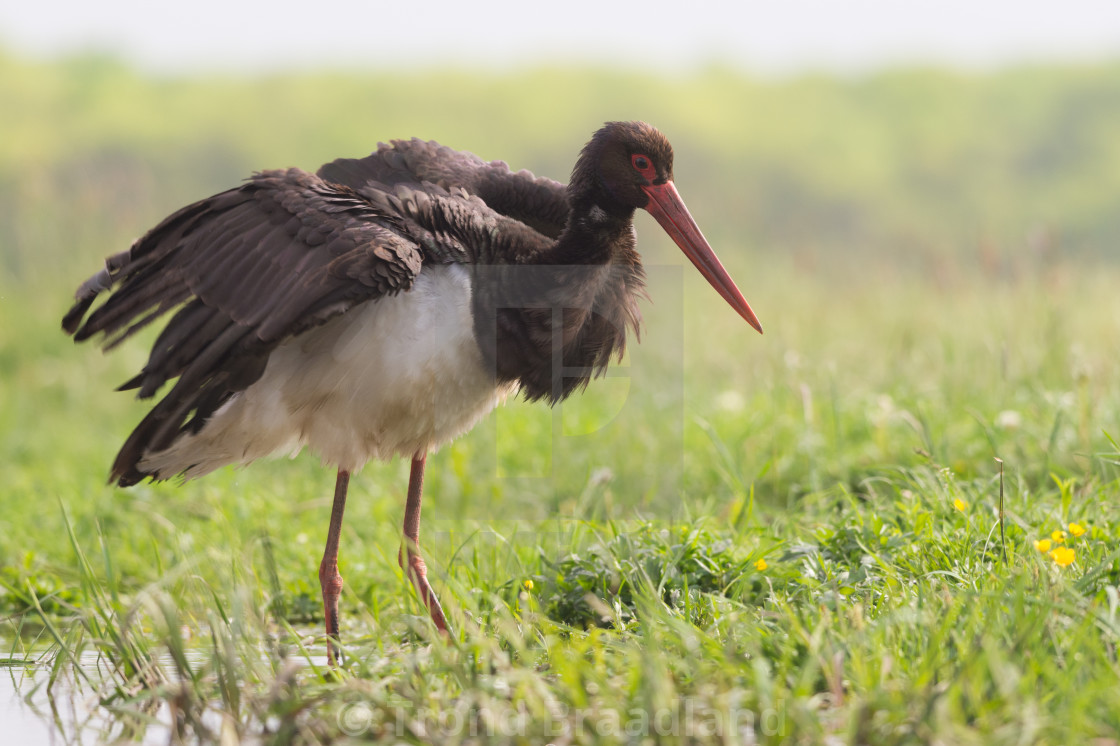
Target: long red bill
(667,207)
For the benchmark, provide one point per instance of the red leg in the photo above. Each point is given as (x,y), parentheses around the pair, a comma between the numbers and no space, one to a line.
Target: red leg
(329,579)
(416,569)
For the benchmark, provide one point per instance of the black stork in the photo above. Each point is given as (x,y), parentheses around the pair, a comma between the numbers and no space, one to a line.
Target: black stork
(380,307)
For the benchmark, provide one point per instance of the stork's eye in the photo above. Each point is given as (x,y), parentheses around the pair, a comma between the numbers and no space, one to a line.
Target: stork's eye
(643,165)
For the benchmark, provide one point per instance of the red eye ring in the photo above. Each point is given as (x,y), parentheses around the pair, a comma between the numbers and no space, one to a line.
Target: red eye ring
(643,165)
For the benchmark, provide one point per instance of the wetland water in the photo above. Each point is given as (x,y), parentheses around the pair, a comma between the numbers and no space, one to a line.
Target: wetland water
(69,712)
(26,713)
(21,722)
(31,715)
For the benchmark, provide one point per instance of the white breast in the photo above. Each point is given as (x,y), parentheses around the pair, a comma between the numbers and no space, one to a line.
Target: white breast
(398,376)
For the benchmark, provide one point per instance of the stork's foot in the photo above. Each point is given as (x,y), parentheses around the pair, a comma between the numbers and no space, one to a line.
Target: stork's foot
(418,573)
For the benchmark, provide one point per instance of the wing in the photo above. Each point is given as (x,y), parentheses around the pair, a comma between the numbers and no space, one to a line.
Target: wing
(246,268)
(539,203)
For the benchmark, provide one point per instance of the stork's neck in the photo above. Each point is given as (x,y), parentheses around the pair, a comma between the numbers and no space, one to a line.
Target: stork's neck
(553,322)
(597,232)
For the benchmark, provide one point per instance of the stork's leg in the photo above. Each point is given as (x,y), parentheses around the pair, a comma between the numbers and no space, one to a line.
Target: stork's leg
(329,579)
(415,567)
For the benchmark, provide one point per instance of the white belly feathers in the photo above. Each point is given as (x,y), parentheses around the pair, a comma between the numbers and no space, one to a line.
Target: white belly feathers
(394,377)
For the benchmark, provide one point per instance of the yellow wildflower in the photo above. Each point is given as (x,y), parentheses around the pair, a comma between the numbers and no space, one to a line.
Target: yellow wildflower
(760,565)
(960,504)
(1042,545)
(1058,536)
(1076,529)
(528,584)
(1064,556)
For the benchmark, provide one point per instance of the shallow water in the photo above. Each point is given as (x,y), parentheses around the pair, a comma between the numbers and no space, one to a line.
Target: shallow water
(25,723)
(26,712)
(70,714)
(65,714)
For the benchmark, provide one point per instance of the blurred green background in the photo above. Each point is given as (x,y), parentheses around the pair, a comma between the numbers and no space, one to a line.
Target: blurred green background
(912,169)
(887,226)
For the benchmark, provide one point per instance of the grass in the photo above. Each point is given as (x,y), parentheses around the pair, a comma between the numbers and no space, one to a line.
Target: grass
(791,539)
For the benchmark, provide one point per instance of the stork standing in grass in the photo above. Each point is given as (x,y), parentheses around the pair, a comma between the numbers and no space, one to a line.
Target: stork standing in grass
(380,307)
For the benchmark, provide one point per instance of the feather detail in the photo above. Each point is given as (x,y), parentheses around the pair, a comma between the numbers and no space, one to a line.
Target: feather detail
(248,270)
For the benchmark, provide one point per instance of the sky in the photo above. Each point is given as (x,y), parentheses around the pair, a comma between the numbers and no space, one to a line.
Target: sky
(777,37)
